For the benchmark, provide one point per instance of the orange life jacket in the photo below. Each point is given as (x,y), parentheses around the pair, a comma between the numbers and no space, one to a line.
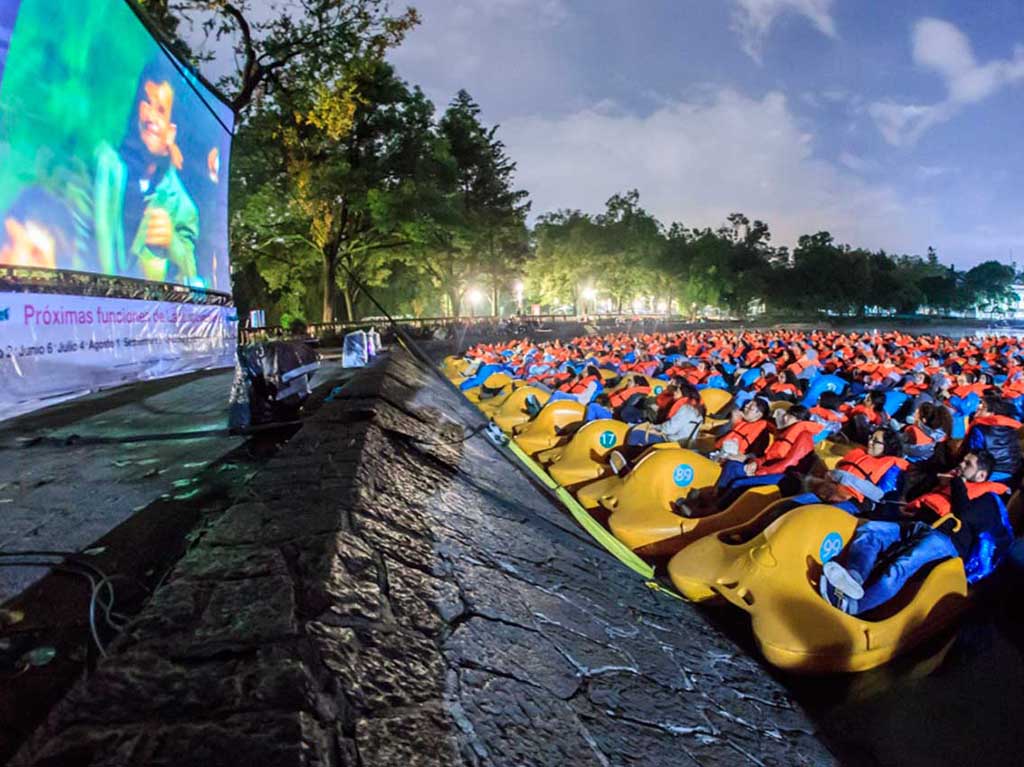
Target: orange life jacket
(974,388)
(940,500)
(679,403)
(783,388)
(618,398)
(580,386)
(996,420)
(873,416)
(828,415)
(786,438)
(745,434)
(860,464)
(917,436)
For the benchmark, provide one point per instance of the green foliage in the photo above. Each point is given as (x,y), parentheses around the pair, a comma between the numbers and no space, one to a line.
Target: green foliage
(343,177)
(627,254)
(475,230)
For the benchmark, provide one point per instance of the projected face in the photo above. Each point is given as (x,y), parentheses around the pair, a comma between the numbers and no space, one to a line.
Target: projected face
(155,127)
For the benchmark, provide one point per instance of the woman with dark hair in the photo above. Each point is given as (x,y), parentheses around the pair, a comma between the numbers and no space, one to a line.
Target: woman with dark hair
(146,222)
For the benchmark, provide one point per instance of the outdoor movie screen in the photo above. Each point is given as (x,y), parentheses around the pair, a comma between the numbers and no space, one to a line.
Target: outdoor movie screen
(113,156)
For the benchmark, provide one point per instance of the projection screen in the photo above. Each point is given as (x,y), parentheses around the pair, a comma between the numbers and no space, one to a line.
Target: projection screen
(113,155)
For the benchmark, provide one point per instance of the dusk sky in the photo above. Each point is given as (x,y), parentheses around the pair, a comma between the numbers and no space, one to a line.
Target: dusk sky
(891,125)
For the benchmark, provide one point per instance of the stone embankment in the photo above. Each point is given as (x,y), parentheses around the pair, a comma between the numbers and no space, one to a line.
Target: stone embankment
(392,593)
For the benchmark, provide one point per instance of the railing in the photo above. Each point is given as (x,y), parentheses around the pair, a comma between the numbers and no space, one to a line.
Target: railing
(531,323)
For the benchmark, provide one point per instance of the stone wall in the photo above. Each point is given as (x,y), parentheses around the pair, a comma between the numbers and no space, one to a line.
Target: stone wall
(394,593)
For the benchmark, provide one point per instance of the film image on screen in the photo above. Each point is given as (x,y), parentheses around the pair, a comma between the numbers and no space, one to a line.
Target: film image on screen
(113,156)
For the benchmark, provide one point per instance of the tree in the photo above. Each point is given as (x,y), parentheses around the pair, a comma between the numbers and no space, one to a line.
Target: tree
(342,160)
(271,44)
(631,243)
(567,246)
(989,285)
(479,230)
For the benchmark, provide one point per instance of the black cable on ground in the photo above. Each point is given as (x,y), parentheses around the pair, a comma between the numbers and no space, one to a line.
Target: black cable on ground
(95,589)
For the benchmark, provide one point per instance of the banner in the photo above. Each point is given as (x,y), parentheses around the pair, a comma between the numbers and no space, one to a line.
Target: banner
(55,346)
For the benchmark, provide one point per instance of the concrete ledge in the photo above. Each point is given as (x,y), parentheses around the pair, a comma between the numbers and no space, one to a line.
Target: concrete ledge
(390,594)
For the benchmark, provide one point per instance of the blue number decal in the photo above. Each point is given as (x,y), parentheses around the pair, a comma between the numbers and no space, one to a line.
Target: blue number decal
(830,547)
(683,475)
(607,439)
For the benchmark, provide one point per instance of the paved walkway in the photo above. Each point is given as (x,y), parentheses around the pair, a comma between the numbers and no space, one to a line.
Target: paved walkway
(64,497)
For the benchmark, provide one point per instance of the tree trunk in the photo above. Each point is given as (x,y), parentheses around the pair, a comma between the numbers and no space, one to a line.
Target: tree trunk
(349,301)
(330,286)
(454,302)
(494,299)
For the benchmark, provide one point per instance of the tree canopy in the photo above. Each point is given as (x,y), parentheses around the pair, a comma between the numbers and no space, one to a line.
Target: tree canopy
(345,179)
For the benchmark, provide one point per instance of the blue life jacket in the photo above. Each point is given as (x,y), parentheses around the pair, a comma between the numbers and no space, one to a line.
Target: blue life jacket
(820,385)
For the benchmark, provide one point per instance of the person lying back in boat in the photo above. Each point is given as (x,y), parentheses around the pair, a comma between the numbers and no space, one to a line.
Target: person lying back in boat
(792,450)
(784,387)
(827,412)
(865,417)
(870,474)
(748,433)
(993,428)
(628,400)
(581,387)
(929,426)
(883,556)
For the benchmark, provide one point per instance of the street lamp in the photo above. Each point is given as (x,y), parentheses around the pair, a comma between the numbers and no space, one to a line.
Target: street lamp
(589,294)
(475,297)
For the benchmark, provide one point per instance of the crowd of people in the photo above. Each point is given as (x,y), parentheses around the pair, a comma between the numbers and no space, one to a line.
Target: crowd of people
(29,280)
(932,425)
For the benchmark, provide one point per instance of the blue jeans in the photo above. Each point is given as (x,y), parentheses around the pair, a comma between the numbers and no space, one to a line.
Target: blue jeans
(908,548)
(733,482)
(733,477)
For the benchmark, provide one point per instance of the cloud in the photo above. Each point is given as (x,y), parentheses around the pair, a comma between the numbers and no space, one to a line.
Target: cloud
(698,160)
(753,19)
(856,163)
(940,47)
(464,43)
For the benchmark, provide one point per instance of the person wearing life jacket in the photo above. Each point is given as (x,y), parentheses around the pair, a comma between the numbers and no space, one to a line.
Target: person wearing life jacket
(681,420)
(919,383)
(677,393)
(928,428)
(784,387)
(629,401)
(633,385)
(582,388)
(793,446)
(868,475)
(865,417)
(860,481)
(995,430)
(939,502)
(827,412)
(882,556)
(748,432)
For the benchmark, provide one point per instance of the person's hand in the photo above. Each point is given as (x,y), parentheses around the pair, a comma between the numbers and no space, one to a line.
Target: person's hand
(159,229)
(28,244)
(750,468)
